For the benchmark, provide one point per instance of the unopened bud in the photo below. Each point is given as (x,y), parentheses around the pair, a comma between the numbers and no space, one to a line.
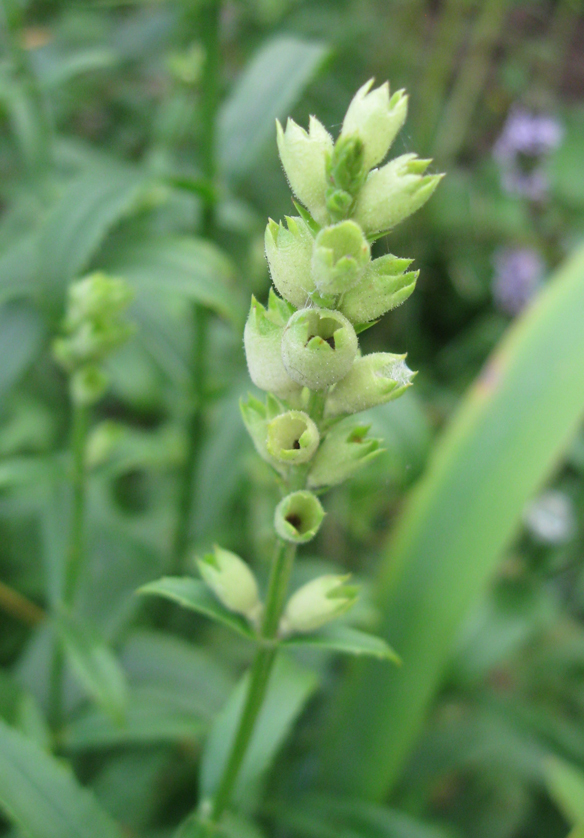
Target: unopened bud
(292,437)
(88,384)
(303,154)
(232,582)
(394,192)
(345,173)
(376,119)
(289,250)
(343,452)
(256,417)
(96,297)
(298,517)
(385,285)
(318,347)
(341,254)
(317,603)
(374,379)
(262,339)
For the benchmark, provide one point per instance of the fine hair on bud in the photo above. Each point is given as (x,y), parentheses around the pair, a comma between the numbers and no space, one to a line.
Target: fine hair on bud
(374,379)
(232,582)
(394,192)
(298,517)
(341,254)
(376,119)
(317,603)
(318,347)
(292,437)
(262,339)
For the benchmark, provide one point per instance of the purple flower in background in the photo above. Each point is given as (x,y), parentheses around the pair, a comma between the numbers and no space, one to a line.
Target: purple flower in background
(527,138)
(518,275)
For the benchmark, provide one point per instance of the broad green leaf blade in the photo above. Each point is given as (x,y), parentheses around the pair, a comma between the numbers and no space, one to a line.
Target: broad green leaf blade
(222,463)
(348,641)
(18,268)
(289,689)
(267,89)
(193,594)
(232,826)
(42,797)
(152,717)
(95,665)
(21,334)
(339,817)
(193,267)
(566,784)
(88,209)
(508,435)
(177,670)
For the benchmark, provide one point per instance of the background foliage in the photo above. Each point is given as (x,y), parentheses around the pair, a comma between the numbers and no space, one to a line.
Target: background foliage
(467,534)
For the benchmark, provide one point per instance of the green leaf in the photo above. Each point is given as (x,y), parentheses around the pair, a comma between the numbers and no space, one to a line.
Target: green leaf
(289,689)
(21,335)
(232,826)
(507,437)
(91,205)
(267,89)
(347,640)
(221,464)
(566,784)
(193,594)
(94,664)
(338,817)
(193,267)
(176,670)
(152,716)
(42,797)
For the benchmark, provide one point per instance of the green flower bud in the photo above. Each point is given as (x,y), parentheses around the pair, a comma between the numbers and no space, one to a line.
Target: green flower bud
(318,347)
(374,379)
(96,297)
(386,284)
(232,582)
(345,173)
(393,192)
(303,156)
(343,452)
(341,254)
(298,517)
(289,251)
(88,384)
(93,327)
(256,417)
(262,339)
(317,603)
(376,119)
(292,437)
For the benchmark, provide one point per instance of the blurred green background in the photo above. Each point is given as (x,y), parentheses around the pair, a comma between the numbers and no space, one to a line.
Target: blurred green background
(467,534)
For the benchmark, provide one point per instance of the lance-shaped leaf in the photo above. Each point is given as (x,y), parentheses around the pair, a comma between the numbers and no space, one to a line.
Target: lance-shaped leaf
(347,641)
(94,664)
(194,595)
(42,797)
(508,436)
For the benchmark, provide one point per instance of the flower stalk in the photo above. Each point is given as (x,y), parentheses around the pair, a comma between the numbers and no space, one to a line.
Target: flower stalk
(302,349)
(92,329)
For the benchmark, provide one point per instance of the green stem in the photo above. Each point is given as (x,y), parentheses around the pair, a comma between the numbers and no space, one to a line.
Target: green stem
(259,675)
(562,30)
(450,30)
(19,606)
(470,81)
(37,151)
(209,21)
(75,551)
(77,535)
